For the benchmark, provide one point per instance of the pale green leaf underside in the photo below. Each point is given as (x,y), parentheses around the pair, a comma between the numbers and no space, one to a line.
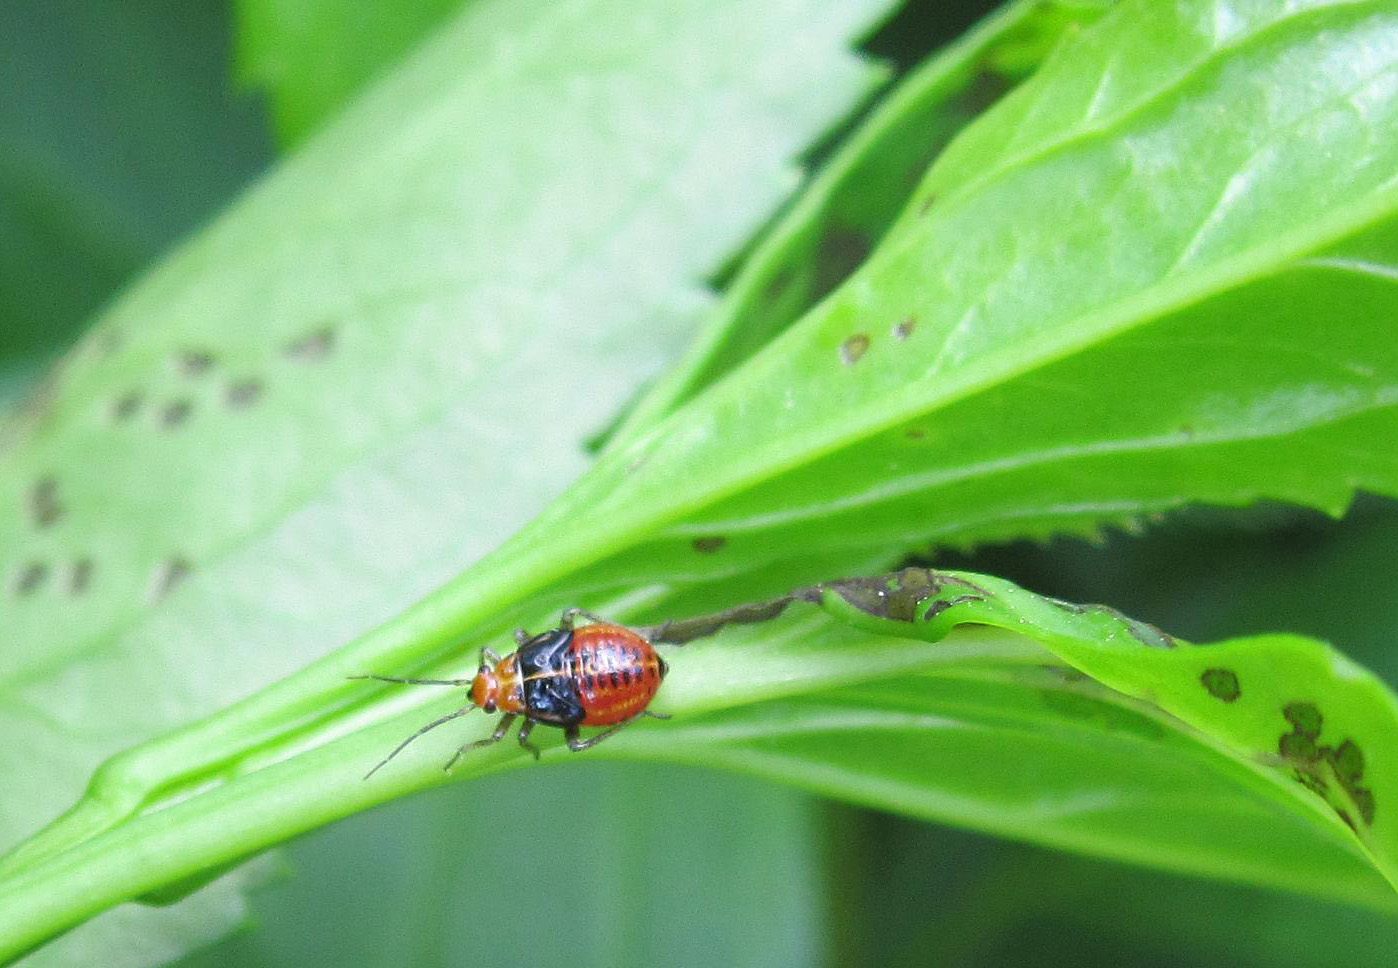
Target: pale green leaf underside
(1159,272)
(380,362)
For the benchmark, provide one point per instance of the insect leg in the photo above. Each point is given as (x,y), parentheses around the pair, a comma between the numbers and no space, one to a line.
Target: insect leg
(506,721)
(571,615)
(488,654)
(524,730)
(577,744)
(403,745)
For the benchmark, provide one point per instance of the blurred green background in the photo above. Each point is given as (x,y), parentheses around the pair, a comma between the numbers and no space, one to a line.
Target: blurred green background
(122,128)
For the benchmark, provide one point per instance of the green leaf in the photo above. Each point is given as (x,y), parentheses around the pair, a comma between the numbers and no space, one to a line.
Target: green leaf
(628,865)
(378,365)
(1157,273)
(859,192)
(105,166)
(313,57)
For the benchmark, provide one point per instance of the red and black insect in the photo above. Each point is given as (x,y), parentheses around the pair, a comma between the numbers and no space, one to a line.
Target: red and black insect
(594,675)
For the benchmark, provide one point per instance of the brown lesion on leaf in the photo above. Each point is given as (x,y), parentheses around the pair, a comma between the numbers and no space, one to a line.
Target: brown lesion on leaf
(127,405)
(30,578)
(44,506)
(853,348)
(168,574)
(1301,747)
(900,596)
(709,544)
(175,413)
(313,347)
(193,362)
(904,328)
(1221,683)
(242,394)
(79,576)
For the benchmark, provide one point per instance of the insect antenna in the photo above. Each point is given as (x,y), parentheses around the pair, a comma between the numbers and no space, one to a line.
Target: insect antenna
(417,682)
(403,745)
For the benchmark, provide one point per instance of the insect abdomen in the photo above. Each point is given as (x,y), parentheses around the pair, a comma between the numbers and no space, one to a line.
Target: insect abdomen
(616,672)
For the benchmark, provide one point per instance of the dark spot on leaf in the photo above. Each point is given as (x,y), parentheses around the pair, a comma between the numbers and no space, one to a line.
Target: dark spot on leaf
(176,413)
(44,506)
(926,205)
(1364,800)
(897,597)
(1295,746)
(778,285)
(168,574)
(244,393)
(915,433)
(1312,781)
(904,329)
(80,576)
(1300,744)
(1221,684)
(1348,761)
(126,406)
(839,253)
(853,348)
(1305,717)
(30,577)
(193,362)
(311,347)
(1187,431)
(709,544)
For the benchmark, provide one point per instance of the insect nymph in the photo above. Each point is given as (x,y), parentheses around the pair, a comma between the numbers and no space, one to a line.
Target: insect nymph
(593,675)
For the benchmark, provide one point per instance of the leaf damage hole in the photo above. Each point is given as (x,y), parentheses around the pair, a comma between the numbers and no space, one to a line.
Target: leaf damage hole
(168,574)
(905,328)
(79,576)
(244,393)
(175,413)
(709,544)
(312,347)
(126,406)
(853,348)
(44,506)
(30,578)
(193,362)
(1222,684)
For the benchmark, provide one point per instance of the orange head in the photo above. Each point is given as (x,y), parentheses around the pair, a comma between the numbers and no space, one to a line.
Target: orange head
(485,689)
